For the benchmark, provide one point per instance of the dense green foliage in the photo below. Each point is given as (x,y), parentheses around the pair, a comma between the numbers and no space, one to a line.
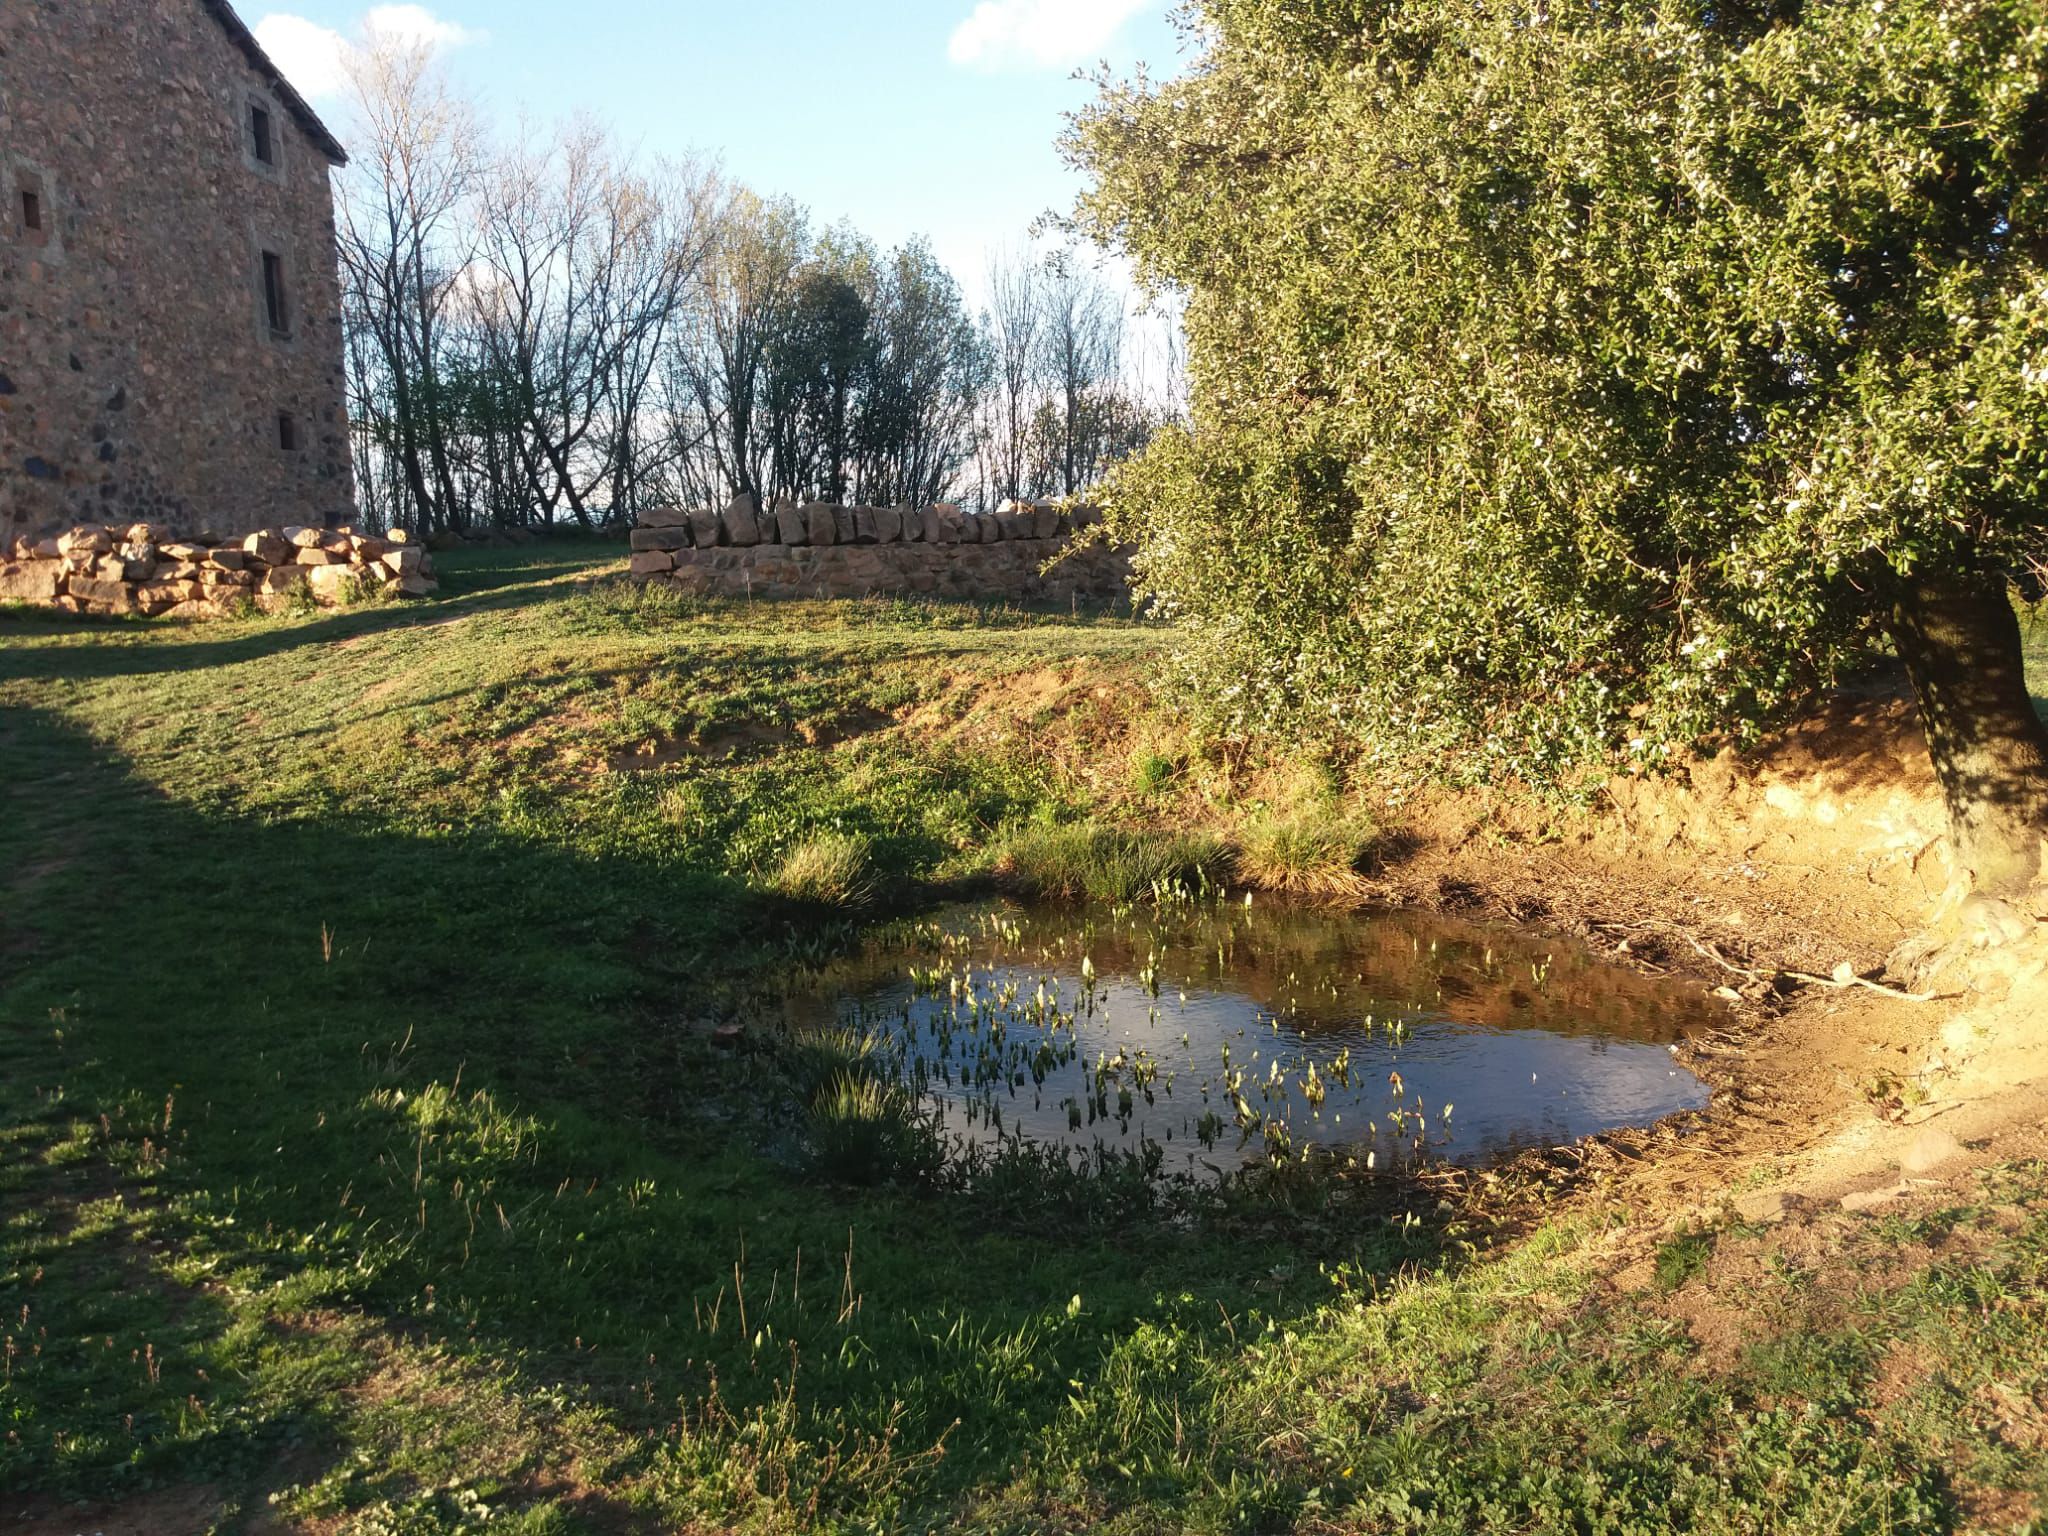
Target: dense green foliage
(1577,382)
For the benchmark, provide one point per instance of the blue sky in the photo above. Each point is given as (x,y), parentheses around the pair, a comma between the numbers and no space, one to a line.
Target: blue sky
(921,116)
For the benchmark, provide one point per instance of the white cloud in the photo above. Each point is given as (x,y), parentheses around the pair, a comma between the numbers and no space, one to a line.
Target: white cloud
(315,58)
(1038,34)
(309,54)
(417,24)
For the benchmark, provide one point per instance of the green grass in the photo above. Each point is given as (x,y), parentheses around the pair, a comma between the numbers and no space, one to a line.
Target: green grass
(369,1155)
(1093,862)
(2035,629)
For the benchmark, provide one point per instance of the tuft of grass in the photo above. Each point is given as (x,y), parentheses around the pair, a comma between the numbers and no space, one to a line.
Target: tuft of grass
(1097,863)
(864,1130)
(818,1057)
(1152,772)
(1683,1258)
(832,869)
(1307,853)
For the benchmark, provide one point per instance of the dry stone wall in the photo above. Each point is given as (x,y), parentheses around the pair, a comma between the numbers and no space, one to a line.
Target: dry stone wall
(817,550)
(139,569)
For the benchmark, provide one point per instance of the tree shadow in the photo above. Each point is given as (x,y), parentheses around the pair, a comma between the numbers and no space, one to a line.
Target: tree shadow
(464,1083)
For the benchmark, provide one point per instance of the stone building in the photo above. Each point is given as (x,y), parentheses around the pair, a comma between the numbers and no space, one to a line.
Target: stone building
(170,337)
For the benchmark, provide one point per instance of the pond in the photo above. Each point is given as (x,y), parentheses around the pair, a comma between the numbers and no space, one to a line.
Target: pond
(1208,1034)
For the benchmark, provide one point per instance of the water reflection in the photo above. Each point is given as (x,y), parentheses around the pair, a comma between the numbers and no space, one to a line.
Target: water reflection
(1219,1033)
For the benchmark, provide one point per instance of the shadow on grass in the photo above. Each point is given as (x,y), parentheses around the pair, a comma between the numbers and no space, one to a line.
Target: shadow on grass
(461,1084)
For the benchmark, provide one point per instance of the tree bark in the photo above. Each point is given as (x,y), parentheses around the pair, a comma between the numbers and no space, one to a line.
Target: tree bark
(1960,640)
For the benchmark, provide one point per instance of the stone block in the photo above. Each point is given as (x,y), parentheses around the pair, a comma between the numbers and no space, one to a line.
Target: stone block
(85,540)
(211,576)
(741,522)
(139,565)
(704,529)
(399,536)
(414,585)
(651,562)
(408,561)
(267,548)
(1045,521)
(822,523)
(333,583)
(658,538)
(226,559)
(843,523)
(181,552)
(102,596)
(304,538)
(665,517)
(282,579)
(791,525)
(166,594)
(31,581)
(313,555)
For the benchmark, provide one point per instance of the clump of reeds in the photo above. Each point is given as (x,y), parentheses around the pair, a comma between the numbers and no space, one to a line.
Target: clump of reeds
(1317,853)
(822,1055)
(831,869)
(865,1130)
(1099,863)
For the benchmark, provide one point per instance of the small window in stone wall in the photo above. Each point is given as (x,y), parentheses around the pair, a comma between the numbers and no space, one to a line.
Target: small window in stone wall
(261,143)
(275,306)
(31,211)
(287,432)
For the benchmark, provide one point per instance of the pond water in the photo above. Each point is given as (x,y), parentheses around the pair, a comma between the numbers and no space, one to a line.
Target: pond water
(1219,1033)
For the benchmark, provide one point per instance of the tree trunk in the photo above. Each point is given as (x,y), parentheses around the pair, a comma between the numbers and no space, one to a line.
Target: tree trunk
(1960,641)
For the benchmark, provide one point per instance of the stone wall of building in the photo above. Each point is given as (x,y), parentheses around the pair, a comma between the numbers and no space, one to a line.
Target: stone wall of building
(141,379)
(1025,552)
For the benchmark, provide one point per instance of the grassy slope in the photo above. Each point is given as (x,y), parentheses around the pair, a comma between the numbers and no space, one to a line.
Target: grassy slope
(360,1144)
(2036,632)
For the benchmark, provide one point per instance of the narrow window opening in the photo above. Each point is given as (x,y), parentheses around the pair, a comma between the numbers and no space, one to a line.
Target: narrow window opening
(287,432)
(31,210)
(259,134)
(273,293)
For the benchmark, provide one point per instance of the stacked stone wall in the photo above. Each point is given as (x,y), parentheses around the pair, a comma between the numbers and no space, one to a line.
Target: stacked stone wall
(117,570)
(1027,551)
(140,377)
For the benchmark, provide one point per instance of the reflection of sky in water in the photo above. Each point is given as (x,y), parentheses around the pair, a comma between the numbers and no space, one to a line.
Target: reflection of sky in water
(1524,1043)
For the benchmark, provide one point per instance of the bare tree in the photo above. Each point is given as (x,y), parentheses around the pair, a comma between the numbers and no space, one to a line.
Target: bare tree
(1010,327)
(403,243)
(1081,356)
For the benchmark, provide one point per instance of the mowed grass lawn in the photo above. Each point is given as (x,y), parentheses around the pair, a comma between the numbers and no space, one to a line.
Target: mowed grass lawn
(368,1163)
